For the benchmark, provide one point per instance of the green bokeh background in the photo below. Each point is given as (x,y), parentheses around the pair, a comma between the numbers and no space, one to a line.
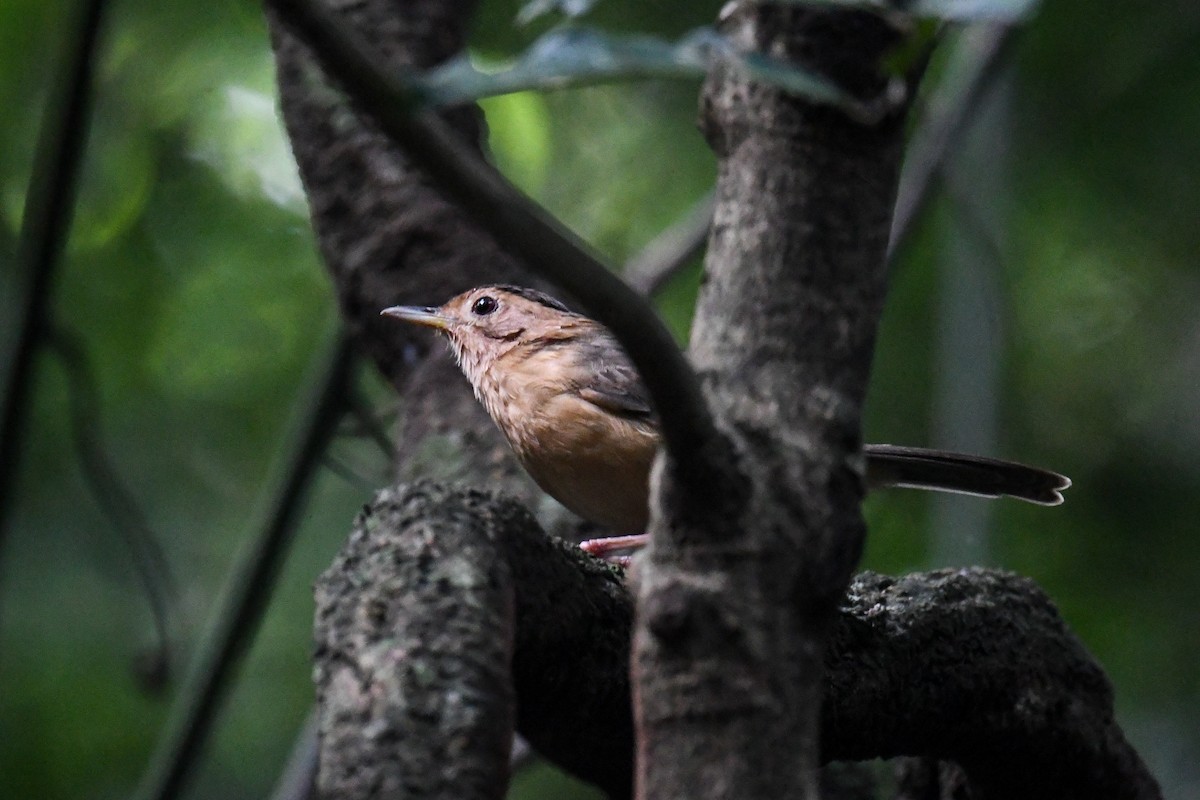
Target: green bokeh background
(192,277)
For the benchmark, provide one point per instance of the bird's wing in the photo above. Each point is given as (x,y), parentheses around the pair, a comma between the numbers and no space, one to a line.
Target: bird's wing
(608,378)
(615,402)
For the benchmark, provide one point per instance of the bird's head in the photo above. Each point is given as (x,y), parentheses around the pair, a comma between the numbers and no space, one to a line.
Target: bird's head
(484,323)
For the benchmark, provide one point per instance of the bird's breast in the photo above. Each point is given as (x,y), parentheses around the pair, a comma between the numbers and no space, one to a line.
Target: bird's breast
(593,462)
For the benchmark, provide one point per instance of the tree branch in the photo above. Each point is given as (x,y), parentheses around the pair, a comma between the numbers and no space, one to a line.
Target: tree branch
(118,503)
(978,54)
(737,589)
(524,228)
(388,236)
(414,644)
(298,779)
(49,206)
(930,664)
(385,234)
(672,250)
(977,667)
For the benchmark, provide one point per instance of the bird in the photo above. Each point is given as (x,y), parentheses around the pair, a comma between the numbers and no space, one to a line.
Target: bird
(579,419)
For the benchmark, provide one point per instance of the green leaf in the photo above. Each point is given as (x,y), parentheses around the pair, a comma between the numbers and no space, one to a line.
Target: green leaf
(958,10)
(578,56)
(567,57)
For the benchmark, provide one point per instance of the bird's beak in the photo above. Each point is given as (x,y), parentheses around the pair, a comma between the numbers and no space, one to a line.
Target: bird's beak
(419,315)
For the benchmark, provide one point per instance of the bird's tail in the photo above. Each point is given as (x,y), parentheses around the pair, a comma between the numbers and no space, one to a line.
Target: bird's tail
(938,470)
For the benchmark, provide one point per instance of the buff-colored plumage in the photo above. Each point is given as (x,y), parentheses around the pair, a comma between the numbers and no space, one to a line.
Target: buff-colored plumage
(577,415)
(564,395)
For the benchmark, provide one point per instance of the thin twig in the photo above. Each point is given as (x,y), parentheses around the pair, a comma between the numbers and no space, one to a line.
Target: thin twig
(978,54)
(339,467)
(47,219)
(369,423)
(672,250)
(982,233)
(981,51)
(523,227)
(249,591)
(640,58)
(115,499)
(298,780)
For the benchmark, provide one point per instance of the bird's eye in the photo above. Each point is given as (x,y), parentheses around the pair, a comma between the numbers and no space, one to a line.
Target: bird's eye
(484,306)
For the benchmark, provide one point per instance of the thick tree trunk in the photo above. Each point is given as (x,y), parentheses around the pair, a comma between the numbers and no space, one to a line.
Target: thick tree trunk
(737,596)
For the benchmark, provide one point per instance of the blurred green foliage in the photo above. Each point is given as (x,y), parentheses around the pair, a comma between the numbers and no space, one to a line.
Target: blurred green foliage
(192,277)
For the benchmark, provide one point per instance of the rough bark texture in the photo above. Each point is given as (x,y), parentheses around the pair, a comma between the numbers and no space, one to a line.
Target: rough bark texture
(415,680)
(387,237)
(736,596)
(973,666)
(384,232)
(993,679)
(414,640)
(795,275)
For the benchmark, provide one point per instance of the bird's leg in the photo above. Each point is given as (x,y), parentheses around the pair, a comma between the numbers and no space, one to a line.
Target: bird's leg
(598,547)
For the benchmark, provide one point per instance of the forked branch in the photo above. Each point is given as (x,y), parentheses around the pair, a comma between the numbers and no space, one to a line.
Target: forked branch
(930,664)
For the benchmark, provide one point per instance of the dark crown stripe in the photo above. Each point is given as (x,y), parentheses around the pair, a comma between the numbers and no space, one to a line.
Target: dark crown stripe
(534,295)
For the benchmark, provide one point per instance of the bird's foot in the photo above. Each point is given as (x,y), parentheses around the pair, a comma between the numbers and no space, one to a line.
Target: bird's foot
(609,544)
